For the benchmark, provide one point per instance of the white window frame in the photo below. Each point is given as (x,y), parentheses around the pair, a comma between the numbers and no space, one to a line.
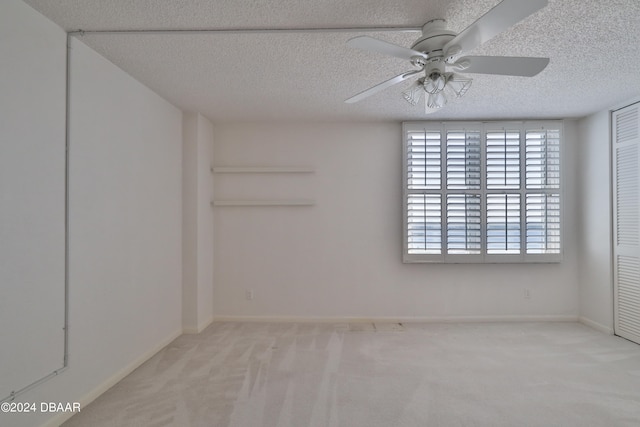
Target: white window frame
(483,256)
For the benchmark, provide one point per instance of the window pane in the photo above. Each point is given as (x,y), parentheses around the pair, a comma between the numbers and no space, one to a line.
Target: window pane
(463,160)
(503,223)
(424,224)
(503,159)
(543,159)
(463,224)
(543,223)
(424,160)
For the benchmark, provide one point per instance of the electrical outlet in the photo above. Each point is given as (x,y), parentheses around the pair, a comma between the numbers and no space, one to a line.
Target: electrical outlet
(527,293)
(248,294)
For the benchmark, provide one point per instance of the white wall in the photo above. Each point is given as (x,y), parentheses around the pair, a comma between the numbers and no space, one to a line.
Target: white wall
(342,257)
(205,223)
(125,215)
(189,221)
(32,196)
(197,223)
(125,227)
(594,244)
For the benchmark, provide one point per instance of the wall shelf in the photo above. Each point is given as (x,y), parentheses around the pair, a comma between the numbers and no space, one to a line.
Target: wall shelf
(296,202)
(262,169)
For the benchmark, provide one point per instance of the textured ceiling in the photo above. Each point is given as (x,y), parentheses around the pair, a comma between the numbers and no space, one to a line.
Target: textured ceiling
(594,47)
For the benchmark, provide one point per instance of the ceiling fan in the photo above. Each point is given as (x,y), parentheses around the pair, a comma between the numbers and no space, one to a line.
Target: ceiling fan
(437,55)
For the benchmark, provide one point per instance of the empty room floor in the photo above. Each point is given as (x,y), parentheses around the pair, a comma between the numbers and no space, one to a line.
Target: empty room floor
(380,375)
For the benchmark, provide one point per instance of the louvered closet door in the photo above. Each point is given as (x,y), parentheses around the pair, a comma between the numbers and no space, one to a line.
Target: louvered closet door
(626,195)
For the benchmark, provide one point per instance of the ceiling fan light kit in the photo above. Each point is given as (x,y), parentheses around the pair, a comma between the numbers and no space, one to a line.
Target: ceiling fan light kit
(458,84)
(437,56)
(453,86)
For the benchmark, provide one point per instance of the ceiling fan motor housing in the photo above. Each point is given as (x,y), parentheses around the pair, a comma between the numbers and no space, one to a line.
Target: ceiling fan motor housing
(434,37)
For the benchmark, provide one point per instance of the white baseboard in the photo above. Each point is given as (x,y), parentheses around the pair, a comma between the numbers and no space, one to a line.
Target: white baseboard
(595,325)
(402,319)
(201,327)
(110,382)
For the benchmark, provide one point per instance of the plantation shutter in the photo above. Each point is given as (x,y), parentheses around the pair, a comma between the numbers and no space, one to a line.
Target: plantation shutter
(423,153)
(482,192)
(503,223)
(463,160)
(425,219)
(626,195)
(463,217)
(542,181)
(503,197)
(503,159)
(464,232)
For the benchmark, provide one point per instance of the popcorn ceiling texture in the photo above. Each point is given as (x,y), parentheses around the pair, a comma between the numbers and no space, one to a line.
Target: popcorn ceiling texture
(594,47)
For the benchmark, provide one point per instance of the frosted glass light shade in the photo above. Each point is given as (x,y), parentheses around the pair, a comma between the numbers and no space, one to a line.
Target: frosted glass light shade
(434,82)
(436,100)
(414,93)
(457,84)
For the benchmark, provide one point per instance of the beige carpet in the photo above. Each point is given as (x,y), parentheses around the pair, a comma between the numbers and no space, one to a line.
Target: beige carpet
(380,375)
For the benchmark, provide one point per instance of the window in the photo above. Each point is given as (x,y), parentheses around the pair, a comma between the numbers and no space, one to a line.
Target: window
(482,192)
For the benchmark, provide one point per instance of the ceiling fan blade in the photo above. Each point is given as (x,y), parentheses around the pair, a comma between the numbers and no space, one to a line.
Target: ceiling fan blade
(504,65)
(375,45)
(502,16)
(377,88)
